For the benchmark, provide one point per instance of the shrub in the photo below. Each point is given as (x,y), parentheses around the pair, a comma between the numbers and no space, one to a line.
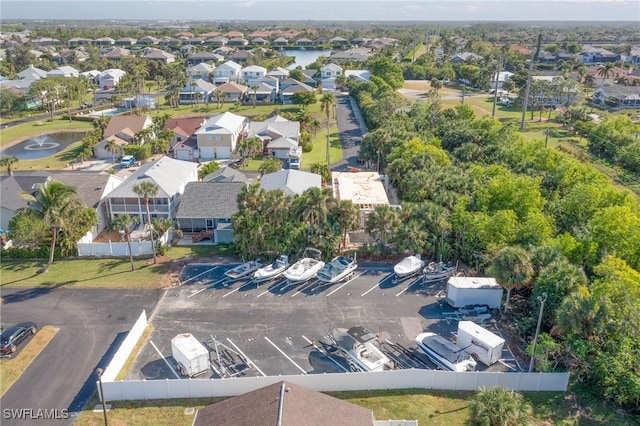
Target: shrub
(141,152)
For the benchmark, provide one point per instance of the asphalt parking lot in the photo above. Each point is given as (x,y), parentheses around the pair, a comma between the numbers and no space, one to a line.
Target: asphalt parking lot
(286,329)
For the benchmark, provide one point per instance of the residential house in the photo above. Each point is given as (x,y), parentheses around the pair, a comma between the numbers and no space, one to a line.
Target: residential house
(217,41)
(614,75)
(500,78)
(166,41)
(64,71)
(45,41)
(186,49)
(259,41)
(237,41)
(521,50)
(290,87)
(202,70)
(209,34)
(304,42)
(121,130)
(280,42)
(260,33)
(224,51)
(204,57)
(594,55)
(126,41)
(286,404)
(198,91)
(263,93)
(242,56)
(252,74)
(169,175)
(634,56)
(160,56)
(148,40)
(359,54)
(465,57)
(311,77)
(234,34)
(117,54)
(226,174)
(184,143)
(366,190)
(71,56)
(194,41)
(32,73)
(219,135)
(279,136)
(79,41)
(291,182)
(104,41)
(185,34)
(108,79)
(12,186)
(360,41)
(229,71)
(328,74)
(209,206)
(279,73)
(339,42)
(617,96)
(232,92)
(359,75)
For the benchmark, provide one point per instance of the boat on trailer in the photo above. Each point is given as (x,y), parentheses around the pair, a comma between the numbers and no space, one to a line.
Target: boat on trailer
(408,267)
(305,268)
(438,271)
(362,348)
(272,270)
(444,353)
(338,269)
(243,270)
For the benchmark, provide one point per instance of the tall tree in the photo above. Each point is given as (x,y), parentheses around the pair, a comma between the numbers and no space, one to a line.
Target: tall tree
(52,202)
(347,215)
(112,147)
(605,70)
(145,190)
(8,161)
(124,223)
(326,103)
(512,268)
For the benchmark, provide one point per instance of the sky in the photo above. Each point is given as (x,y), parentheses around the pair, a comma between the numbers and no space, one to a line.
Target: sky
(323,10)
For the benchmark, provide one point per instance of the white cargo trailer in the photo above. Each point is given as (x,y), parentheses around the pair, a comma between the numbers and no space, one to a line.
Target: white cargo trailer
(480,343)
(463,291)
(190,355)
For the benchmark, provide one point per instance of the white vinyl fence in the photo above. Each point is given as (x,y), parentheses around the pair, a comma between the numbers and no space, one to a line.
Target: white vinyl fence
(393,379)
(138,248)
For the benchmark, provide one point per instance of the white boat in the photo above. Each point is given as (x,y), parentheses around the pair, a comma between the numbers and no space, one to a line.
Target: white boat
(409,266)
(438,271)
(243,270)
(305,268)
(336,270)
(362,348)
(272,270)
(444,353)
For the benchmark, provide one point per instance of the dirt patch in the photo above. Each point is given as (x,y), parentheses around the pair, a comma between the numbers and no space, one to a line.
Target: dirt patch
(417,85)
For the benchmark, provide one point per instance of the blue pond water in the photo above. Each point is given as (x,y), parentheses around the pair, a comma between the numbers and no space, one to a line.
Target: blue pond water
(43,146)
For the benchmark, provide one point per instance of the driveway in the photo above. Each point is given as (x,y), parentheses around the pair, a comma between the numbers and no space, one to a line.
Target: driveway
(351,127)
(89,322)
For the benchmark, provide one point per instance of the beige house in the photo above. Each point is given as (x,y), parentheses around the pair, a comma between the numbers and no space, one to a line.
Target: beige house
(121,130)
(219,136)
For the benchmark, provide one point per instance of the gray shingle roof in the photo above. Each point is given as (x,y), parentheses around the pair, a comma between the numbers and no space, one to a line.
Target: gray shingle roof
(292,182)
(209,200)
(226,174)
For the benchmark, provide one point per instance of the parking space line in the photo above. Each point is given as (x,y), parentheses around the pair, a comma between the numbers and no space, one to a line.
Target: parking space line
(285,355)
(347,282)
(234,290)
(312,342)
(202,273)
(164,359)
(419,280)
(246,357)
(371,289)
(304,287)
(278,283)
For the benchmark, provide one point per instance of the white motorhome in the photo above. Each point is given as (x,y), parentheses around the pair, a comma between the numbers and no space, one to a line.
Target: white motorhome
(192,358)
(480,343)
(464,291)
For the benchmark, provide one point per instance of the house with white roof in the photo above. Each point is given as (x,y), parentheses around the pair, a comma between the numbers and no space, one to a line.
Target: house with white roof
(219,136)
(201,71)
(64,71)
(195,92)
(32,73)
(229,71)
(279,136)
(110,78)
(252,75)
(328,75)
(291,182)
(366,190)
(171,177)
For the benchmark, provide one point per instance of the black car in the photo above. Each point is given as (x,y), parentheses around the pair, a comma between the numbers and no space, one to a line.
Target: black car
(11,337)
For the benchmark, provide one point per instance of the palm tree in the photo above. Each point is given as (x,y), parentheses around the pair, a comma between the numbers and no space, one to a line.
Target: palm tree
(436,85)
(124,223)
(250,145)
(382,223)
(347,215)
(52,202)
(499,407)
(326,102)
(512,269)
(145,190)
(323,170)
(605,70)
(313,207)
(112,147)
(255,93)
(8,161)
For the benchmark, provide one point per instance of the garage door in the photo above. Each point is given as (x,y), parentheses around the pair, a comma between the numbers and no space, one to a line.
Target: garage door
(223,152)
(183,154)
(206,152)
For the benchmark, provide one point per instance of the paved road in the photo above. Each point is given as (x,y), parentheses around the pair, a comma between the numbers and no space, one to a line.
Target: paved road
(351,127)
(89,322)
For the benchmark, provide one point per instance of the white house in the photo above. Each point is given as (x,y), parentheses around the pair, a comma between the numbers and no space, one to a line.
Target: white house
(229,71)
(32,73)
(202,70)
(279,136)
(252,74)
(110,78)
(219,136)
(64,71)
(197,91)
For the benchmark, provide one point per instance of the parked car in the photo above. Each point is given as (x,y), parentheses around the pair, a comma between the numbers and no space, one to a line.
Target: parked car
(127,161)
(13,336)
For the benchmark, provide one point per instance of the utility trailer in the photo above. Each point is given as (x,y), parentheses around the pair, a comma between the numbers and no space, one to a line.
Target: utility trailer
(464,291)
(480,343)
(191,356)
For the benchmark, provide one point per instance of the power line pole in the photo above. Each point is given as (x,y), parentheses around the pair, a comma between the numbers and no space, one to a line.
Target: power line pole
(534,57)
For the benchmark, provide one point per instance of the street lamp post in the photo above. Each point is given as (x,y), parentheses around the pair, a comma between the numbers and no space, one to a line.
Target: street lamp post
(542,298)
(99,372)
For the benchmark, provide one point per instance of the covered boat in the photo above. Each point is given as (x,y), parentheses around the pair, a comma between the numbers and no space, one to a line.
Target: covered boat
(272,270)
(305,268)
(444,353)
(362,348)
(409,266)
(243,270)
(336,270)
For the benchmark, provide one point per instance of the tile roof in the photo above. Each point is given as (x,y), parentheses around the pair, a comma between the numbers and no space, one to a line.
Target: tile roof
(209,200)
(285,404)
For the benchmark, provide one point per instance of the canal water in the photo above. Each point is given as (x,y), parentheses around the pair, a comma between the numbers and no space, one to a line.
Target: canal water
(304,57)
